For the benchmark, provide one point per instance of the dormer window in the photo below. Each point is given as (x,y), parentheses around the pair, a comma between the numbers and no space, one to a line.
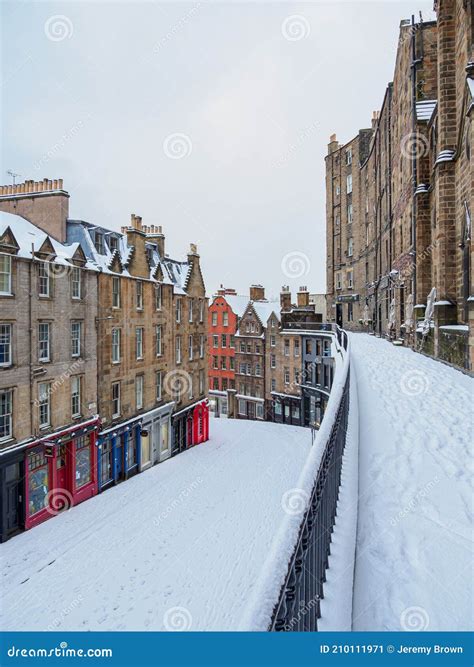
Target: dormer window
(99,242)
(113,244)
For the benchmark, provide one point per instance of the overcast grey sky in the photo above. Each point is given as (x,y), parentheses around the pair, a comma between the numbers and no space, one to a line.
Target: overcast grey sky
(211,119)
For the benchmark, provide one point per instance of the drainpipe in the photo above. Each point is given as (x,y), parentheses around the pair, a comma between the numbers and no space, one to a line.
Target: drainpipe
(414,65)
(30,333)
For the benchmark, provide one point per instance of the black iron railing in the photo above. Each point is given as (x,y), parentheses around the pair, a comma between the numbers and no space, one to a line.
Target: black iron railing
(298,607)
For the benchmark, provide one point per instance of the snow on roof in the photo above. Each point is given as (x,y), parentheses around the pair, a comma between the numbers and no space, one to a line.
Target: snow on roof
(174,272)
(264,309)
(29,236)
(425,110)
(238,303)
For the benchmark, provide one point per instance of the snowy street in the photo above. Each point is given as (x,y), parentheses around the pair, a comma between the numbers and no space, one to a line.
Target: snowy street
(178,547)
(413,566)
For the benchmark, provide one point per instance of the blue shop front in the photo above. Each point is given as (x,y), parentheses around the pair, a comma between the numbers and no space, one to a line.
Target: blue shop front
(119,452)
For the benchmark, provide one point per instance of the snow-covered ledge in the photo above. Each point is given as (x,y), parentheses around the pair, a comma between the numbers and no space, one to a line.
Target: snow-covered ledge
(259,610)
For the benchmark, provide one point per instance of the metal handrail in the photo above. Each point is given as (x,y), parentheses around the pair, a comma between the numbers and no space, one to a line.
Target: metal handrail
(298,606)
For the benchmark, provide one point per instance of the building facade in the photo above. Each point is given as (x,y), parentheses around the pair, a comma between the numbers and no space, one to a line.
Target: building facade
(103,354)
(400,197)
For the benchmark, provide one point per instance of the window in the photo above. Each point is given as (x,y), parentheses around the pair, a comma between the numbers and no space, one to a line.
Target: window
(75,396)
(116,335)
(201,310)
(215,341)
(76,336)
(350,283)
(38,481)
(308,346)
(76,283)
(350,315)
(115,292)
(44,343)
(272,361)
(113,243)
(158,297)
(139,342)
(242,346)
(159,385)
(5,344)
(115,399)
(215,363)
(242,407)
(224,384)
(5,274)
(139,391)
(190,387)
(349,156)
(178,349)
(201,346)
(296,347)
(178,310)
(349,214)
(6,414)
(349,183)
(338,190)
(286,373)
(259,411)
(258,349)
(243,368)
(99,242)
(350,247)
(201,381)
(338,219)
(214,319)
(249,369)
(190,314)
(225,317)
(190,347)
(43,279)
(44,404)
(224,340)
(139,295)
(273,384)
(272,341)
(232,363)
(159,341)
(338,281)
(297,376)
(286,347)
(249,348)
(258,370)
(215,384)
(223,363)
(232,341)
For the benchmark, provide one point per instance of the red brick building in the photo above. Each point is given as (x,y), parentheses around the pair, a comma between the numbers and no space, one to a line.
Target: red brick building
(224,313)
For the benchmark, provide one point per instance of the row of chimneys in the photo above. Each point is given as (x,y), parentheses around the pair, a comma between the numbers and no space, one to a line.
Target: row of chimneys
(257,293)
(375,120)
(29,187)
(136,223)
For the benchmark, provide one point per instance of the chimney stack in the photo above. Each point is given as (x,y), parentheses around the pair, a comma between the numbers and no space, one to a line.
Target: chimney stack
(257,293)
(302,297)
(285,298)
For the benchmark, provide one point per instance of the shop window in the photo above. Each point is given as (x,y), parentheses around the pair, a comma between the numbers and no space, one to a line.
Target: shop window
(106,462)
(38,482)
(83,461)
(296,413)
(242,407)
(5,344)
(278,408)
(131,450)
(259,411)
(5,274)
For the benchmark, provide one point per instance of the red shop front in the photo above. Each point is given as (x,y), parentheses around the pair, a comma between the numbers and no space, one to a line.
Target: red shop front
(60,471)
(200,423)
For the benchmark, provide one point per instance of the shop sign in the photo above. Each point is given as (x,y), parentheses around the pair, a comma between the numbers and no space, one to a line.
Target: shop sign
(345,298)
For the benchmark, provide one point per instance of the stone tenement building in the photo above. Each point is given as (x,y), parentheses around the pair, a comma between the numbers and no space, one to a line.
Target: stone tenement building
(103,354)
(400,198)
(274,378)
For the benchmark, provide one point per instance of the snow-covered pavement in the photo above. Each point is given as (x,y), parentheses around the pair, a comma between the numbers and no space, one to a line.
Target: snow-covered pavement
(414,545)
(180,546)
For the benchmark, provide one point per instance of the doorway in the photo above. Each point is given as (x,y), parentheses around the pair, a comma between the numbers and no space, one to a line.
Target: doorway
(339,314)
